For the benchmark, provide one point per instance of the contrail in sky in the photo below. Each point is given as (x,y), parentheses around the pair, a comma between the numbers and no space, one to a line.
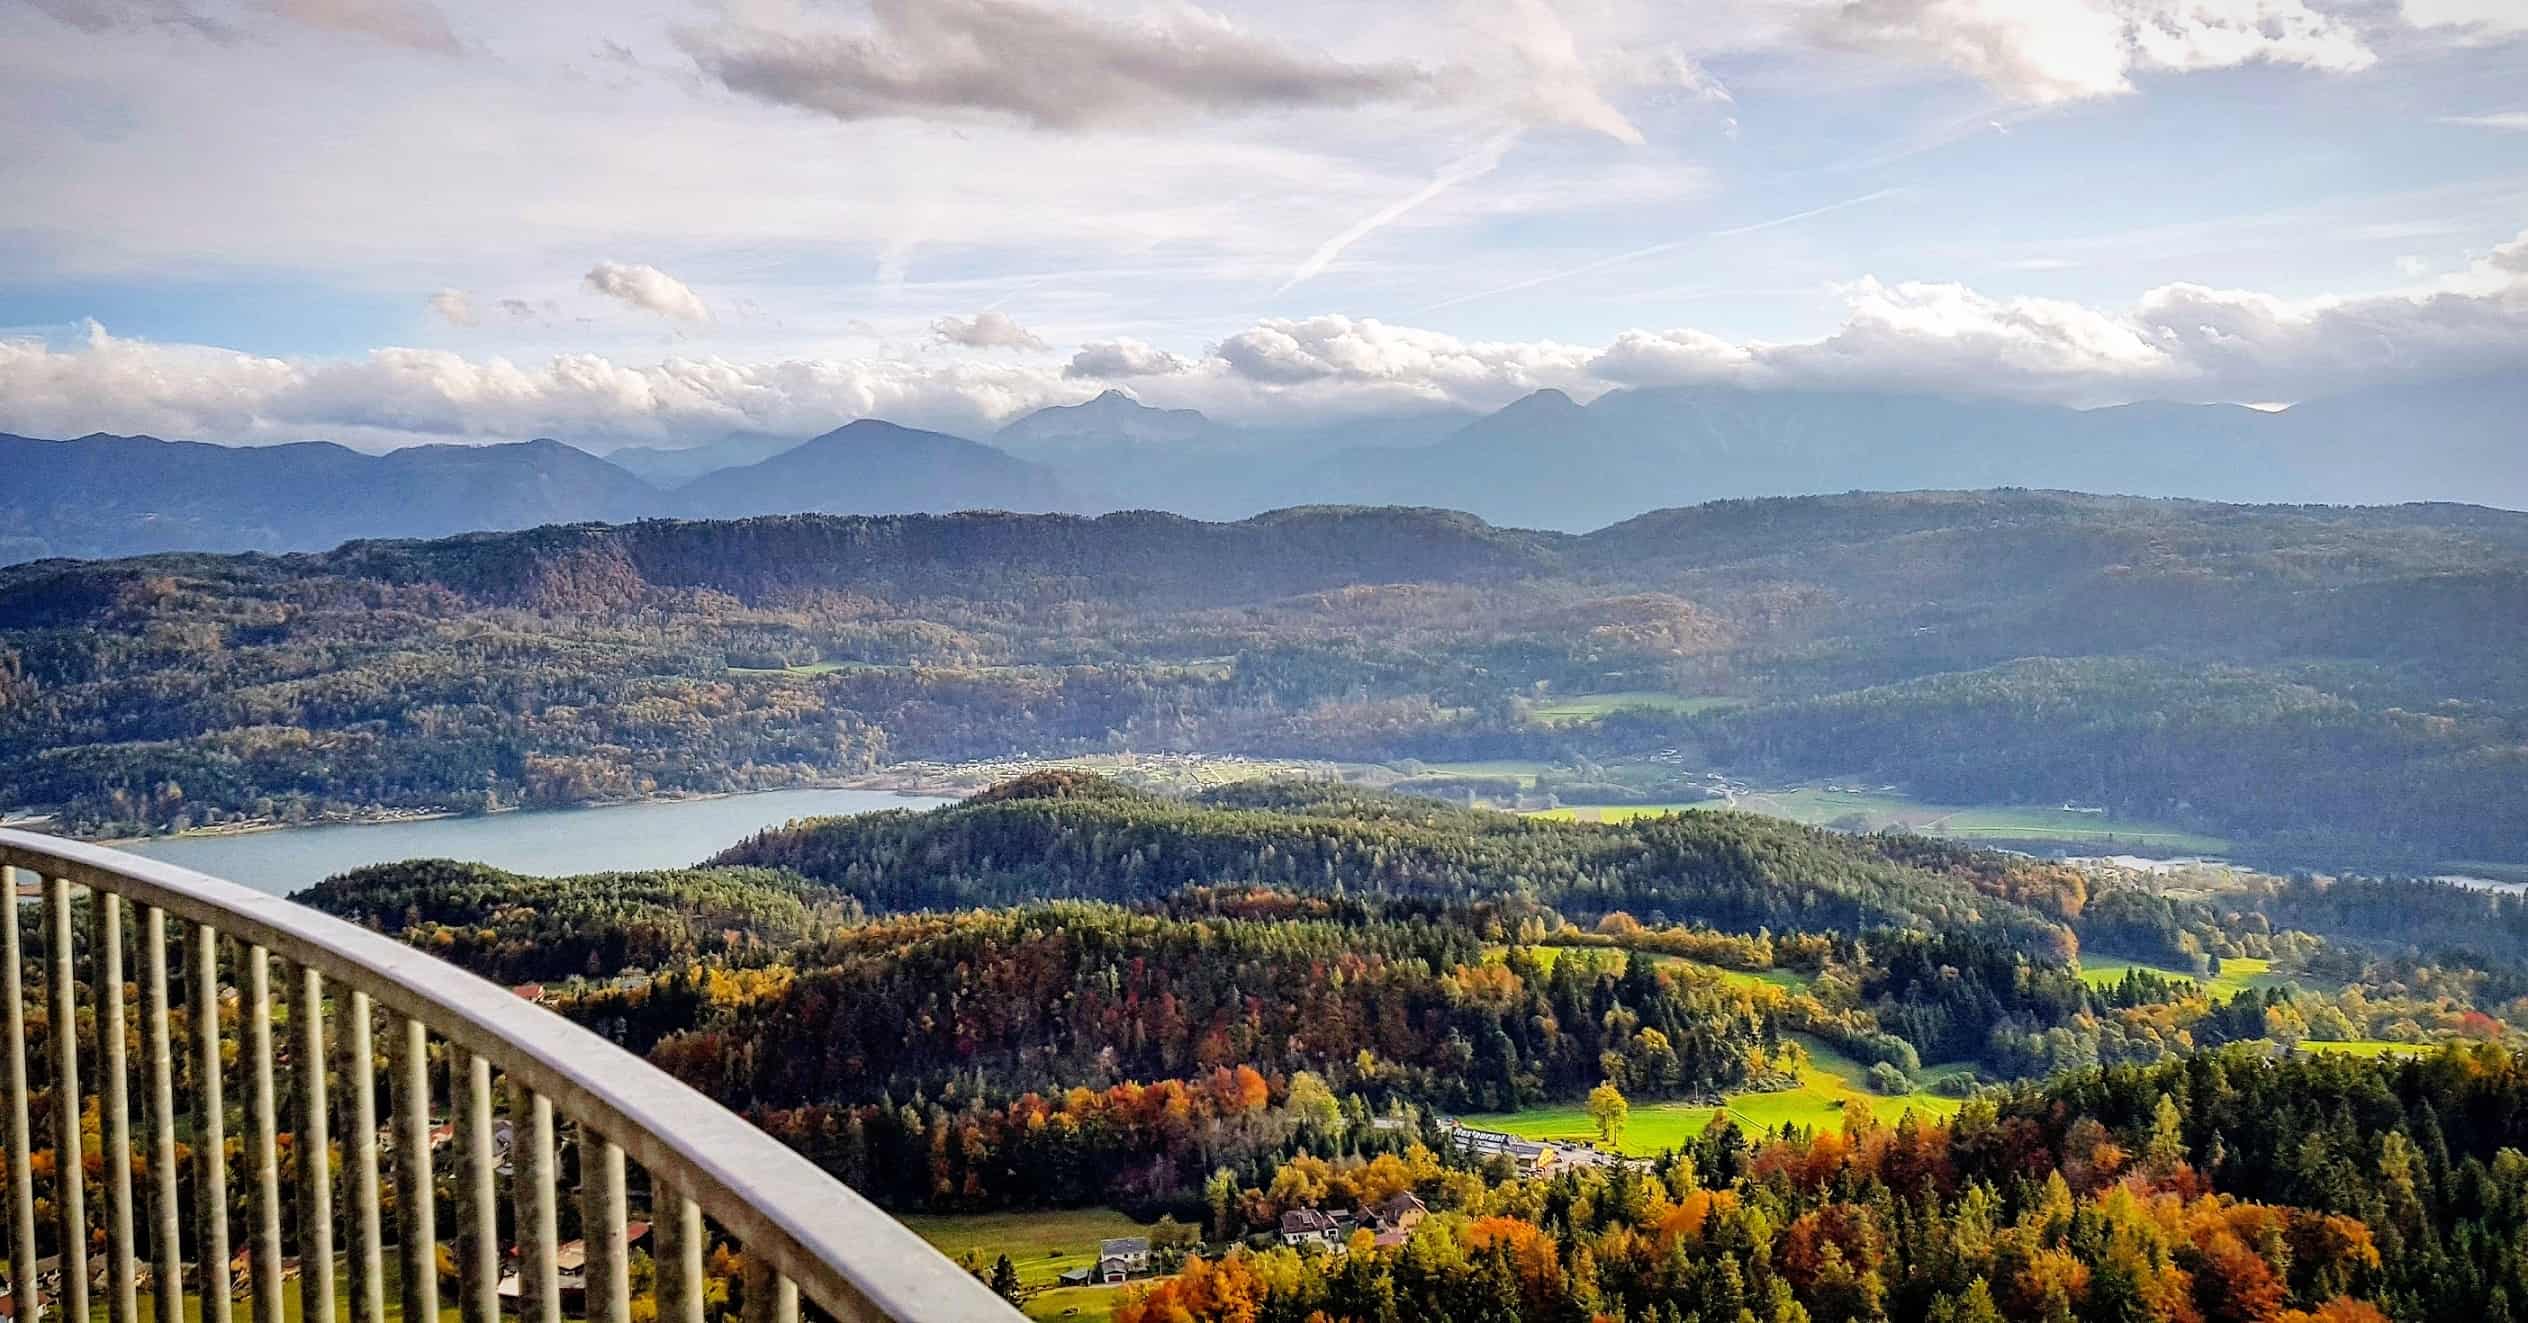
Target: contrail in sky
(1473,165)
(1657,248)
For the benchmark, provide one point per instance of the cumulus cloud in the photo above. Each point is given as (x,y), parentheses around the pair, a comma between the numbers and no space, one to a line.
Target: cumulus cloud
(390,396)
(455,307)
(648,288)
(988,329)
(2064,50)
(1052,67)
(1430,364)
(2175,342)
(1115,360)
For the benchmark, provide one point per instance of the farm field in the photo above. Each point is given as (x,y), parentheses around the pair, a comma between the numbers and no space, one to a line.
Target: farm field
(1833,1084)
(1077,1304)
(2237,975)
(1590,707)
(1041,1245)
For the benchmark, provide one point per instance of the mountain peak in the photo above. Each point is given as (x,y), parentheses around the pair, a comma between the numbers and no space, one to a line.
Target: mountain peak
(1551,399)
(1112,417)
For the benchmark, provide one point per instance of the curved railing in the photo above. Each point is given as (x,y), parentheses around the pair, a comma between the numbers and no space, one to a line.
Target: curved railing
(801,1232)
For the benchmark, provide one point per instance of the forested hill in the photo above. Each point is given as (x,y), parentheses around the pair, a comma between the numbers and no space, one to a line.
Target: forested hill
(2347,684)
(1067,835)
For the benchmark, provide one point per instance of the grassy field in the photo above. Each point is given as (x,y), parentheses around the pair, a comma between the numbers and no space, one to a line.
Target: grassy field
(1590,707)
(1042,1246)
(1078,1304)
(2370,1047)
(291,1306)
(1833,1084)
(2237,975)
(1870,810)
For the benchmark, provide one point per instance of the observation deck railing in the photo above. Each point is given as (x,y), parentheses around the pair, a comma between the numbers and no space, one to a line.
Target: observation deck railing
(314,995)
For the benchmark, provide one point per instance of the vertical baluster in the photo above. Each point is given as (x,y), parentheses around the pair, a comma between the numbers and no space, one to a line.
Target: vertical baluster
(210,1130)
(263,1138)
(603,1211)
(368,1235)
(531,1155)
(69,1196)
(21,1125)
(114,1106)
(676,1231)
(315,1155)
(770,1297)
(166,1227)
(478,1196)
(416,1205)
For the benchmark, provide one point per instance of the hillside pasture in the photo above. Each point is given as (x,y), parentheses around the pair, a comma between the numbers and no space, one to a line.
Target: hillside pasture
(1829,1088)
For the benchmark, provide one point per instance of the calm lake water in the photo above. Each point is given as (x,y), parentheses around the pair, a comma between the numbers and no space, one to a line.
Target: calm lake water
(668,834)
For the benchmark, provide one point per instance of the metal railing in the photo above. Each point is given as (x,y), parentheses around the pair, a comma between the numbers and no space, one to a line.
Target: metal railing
(799,1231)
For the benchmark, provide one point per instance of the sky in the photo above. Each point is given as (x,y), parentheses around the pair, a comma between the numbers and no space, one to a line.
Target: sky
(665,221)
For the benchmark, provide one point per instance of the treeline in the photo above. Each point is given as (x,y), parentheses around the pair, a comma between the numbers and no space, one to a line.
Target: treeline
(2233,1186)
(517,928)
(1062,835)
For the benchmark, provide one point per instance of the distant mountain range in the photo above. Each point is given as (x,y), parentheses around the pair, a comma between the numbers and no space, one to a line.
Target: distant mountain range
(1545,461)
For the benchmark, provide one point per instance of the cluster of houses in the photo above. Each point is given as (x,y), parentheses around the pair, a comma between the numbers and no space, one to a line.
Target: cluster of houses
(1389,1222)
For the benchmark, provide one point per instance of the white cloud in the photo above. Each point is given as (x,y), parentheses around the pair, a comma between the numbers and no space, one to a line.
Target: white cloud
(1047,65)
(456,307)
(2067,50)
(2178,341)
(1116,360)
(1365,352)
(988,329)
(2513,121)
(649,288)
(2478,19)
(1556,85)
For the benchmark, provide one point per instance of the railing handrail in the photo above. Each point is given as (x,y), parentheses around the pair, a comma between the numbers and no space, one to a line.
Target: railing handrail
(842,1251)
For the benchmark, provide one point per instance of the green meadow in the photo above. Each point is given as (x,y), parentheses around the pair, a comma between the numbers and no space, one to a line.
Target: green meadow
(1830,1087)
(2237,975)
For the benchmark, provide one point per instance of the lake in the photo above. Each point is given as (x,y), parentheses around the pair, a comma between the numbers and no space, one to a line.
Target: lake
(664,834)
